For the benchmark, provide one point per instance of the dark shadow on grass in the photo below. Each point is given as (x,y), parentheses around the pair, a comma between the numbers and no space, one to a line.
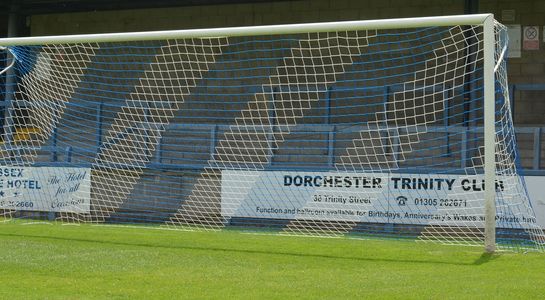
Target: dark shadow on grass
(484,258)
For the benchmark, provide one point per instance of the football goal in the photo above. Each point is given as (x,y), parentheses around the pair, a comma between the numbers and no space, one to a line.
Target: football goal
(396,128)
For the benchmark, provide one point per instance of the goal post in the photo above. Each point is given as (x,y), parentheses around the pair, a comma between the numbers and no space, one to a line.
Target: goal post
(392,128)
(489,133)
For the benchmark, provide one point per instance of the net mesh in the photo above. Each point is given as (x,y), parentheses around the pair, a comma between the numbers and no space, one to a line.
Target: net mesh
(366,133)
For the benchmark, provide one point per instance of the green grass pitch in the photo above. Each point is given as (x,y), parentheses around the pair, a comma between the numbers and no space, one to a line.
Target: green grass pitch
(53,261)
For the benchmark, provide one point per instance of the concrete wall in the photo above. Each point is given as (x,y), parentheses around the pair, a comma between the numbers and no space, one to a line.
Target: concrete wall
(3,25)
(239,15)
(530,68)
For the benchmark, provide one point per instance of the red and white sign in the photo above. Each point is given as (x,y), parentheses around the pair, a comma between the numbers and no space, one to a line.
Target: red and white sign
(530,38)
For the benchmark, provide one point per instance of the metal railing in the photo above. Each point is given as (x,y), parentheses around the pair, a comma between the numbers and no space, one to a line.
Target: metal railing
(208,135)
(330,131)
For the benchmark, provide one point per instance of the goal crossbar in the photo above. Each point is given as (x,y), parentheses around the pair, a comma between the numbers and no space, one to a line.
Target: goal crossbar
(476,19)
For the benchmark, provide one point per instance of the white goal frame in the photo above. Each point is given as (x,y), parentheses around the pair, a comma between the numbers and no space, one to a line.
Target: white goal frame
(484,20)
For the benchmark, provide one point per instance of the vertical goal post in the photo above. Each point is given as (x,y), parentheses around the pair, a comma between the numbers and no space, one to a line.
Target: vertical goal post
(142,133)
(489,134)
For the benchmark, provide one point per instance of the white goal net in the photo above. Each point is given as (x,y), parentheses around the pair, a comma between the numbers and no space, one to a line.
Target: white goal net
(368,128)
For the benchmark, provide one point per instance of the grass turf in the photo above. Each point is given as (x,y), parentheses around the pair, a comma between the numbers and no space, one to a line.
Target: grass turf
(104,262)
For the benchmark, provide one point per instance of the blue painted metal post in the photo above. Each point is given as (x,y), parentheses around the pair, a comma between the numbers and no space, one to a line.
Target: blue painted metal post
(11,79)
(272,109)
(387,139)
(537,148)
(472,122)
(331,146)
(8,107)
(99,111)
(328,105)
(512,99)
(68,154)
(54,145)
(272,122)
(463,158)
(446,122)
(146,128)
(213,136)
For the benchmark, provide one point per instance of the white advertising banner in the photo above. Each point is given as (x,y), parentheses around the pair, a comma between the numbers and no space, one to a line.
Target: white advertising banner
(366,197)
(45,189)
(536,190)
